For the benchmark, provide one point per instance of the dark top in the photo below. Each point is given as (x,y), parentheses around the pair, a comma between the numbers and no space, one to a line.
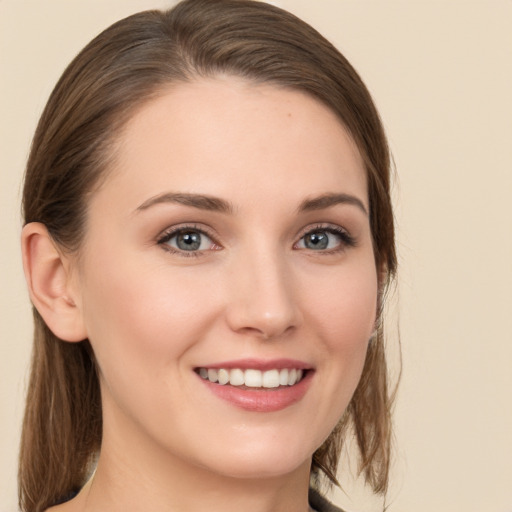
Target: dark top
(320,504)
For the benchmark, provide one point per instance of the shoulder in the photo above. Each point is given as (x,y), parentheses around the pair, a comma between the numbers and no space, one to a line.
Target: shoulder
(320,504)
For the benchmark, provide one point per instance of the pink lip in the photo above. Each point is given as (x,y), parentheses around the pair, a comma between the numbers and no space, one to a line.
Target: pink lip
(261,400)
(260,364)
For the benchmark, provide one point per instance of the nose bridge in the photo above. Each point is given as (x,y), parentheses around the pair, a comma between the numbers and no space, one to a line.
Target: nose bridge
(263,301)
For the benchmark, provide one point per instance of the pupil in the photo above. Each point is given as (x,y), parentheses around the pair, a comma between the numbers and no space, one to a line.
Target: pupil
(189,241)
(317,241)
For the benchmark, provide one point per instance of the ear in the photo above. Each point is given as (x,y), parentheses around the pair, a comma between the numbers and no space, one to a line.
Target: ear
(49,279)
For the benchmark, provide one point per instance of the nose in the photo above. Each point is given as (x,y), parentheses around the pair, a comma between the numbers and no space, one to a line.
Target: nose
(263,301)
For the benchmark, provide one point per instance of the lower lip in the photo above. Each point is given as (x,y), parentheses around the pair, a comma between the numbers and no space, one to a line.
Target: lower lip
(261,399)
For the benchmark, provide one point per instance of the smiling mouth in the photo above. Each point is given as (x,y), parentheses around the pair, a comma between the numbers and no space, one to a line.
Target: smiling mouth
(252,378)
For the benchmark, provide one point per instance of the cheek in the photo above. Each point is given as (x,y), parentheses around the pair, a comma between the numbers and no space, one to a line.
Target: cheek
(141,325)
(143,320)
(344,318)
(347,307)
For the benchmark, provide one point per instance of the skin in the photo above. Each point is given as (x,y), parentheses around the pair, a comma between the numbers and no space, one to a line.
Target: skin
(153,314)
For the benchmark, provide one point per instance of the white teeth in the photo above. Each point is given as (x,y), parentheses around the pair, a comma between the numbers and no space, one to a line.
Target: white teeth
(271,379)
(253,378)
(223,376)
(236,377)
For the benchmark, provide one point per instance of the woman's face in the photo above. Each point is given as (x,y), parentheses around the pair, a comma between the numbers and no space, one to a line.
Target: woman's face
(231,240)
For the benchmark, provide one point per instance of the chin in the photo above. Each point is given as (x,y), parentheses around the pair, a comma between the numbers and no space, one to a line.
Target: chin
(261,462)
(250,470)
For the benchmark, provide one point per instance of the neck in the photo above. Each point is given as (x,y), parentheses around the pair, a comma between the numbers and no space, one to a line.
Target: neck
(140,477)
(194,491)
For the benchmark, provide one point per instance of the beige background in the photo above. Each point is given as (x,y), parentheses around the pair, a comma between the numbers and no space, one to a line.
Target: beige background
(441,74)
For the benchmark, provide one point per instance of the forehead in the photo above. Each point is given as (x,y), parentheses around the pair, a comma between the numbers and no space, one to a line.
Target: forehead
(227,136)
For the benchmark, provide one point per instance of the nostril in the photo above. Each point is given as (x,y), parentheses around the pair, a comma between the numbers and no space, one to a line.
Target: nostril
(267,333)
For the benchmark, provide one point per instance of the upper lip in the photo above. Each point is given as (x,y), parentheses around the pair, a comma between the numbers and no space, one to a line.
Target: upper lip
(259,364)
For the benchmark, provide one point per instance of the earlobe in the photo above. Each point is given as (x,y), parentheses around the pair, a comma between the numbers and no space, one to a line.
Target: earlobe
(48,276)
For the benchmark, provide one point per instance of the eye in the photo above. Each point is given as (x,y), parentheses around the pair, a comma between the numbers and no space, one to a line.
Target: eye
(187,240)
(328,239)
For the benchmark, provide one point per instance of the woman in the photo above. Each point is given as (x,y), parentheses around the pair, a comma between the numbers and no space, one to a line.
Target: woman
(208,238)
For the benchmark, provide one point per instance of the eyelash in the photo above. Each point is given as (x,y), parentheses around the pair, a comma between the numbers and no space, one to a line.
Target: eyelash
(172,232)
(346,240)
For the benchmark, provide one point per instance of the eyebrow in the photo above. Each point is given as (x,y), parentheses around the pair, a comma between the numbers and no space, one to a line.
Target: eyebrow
(328,200)
(211,203)
(203,202)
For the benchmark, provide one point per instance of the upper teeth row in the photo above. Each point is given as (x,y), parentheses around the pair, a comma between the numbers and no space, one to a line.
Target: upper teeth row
(253,378)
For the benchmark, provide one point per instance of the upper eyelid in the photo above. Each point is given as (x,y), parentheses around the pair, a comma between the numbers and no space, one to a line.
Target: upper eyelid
(347,239)
(321,226)
(168,234)
(174,230)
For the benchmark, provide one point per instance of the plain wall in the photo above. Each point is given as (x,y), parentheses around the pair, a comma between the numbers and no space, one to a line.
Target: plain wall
(441,75)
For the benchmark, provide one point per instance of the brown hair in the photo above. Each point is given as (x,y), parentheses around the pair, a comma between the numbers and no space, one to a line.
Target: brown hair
(112,76)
